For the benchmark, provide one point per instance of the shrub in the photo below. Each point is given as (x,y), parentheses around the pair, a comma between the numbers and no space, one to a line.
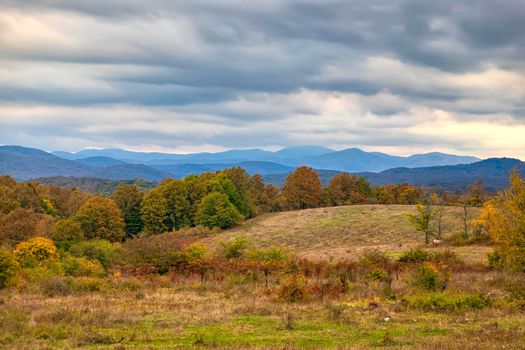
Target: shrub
(446,257)
(35,251)
(162,253)
(293,289)
(234,249)
(8,267)
(447,301)
(414,255)
(215,210)
(378,275)
(42,272)
(374,257)
(495,261)
(55,286)
(66,232)
(80,266)
(428,277)
(103,251)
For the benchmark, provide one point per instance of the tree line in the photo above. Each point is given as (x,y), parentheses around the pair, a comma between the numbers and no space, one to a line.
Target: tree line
(220,199)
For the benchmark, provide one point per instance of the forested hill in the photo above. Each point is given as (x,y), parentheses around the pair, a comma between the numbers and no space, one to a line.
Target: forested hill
(494,173)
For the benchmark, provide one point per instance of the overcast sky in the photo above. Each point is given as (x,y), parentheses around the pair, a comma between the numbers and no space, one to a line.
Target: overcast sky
(205,75)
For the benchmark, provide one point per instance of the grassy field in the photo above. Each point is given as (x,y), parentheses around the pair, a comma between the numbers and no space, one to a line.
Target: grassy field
(346,231)
(238,311)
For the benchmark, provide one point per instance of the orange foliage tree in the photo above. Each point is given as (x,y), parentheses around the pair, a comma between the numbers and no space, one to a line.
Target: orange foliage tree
(302,189)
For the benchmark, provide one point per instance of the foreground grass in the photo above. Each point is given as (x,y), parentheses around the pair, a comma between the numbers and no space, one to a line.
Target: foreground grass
(163,313)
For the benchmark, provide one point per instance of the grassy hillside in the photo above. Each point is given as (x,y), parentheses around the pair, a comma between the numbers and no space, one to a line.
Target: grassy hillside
(341,231)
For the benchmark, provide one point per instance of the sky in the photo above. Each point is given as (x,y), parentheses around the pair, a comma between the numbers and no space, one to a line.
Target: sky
(400,77)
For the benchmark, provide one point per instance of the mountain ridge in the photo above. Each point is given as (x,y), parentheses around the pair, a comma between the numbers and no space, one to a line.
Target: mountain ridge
(350,159)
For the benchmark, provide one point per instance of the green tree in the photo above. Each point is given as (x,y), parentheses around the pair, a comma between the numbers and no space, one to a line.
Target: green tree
(66,231)
(155,212)
(302,189)
(129,200)
(245,187)
(100,218)
(422,219)
(215,210)
(178,204)
(8,267)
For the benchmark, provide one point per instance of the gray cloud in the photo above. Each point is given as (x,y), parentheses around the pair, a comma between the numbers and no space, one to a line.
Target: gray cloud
(240,74)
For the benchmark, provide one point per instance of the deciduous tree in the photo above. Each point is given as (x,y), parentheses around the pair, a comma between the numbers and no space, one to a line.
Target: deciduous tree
(100,218)
(302,189)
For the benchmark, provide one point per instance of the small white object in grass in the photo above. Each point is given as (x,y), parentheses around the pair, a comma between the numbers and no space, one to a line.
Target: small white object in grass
(387,319)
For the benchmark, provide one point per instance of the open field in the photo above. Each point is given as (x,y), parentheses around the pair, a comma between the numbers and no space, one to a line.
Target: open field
(346,231)
(164,314)
(480,309)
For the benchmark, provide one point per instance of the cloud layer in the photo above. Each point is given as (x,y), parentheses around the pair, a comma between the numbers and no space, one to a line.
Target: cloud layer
(397,76)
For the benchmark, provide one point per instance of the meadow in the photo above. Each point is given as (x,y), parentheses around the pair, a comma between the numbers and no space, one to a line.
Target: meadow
(305,304)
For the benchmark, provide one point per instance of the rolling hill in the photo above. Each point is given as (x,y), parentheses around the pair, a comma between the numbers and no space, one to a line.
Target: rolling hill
(494,173)
(346,231)
(24,163)
(94,184)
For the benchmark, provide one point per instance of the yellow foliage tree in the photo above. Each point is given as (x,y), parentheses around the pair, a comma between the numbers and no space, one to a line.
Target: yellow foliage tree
(35,250)
(504,219)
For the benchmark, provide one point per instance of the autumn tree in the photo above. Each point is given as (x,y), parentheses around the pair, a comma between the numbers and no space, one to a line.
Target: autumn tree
(66,231)
(302,189)
(8,200)
(176,194)
(349,189)
(100,218)
(129,200)
(215,210)
(504,219)
(266,195)
(155,212)
(19,225)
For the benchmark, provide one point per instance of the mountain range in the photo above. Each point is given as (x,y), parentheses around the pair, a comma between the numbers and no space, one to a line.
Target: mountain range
(350,160)
(437,170)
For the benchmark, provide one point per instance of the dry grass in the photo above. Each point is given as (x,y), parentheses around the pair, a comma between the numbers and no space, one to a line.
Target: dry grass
(188,314)
(238,312)
(345,231)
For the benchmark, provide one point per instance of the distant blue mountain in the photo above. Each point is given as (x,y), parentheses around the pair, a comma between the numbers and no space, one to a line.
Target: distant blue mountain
(28,163)
(252,167)
(351,160)
(100,162)
(301,151)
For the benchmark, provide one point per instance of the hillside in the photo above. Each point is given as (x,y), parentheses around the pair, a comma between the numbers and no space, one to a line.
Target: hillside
(343,231)
(24,163)
(93,184)
(494,173)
